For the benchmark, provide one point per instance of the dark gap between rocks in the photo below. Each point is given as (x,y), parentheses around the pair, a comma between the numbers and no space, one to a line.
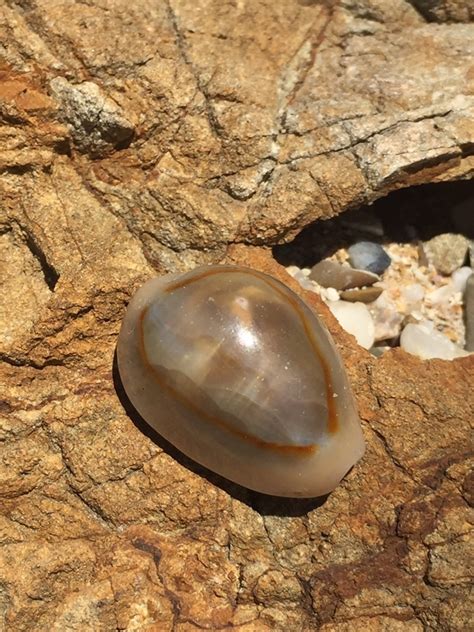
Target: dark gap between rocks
(423,286)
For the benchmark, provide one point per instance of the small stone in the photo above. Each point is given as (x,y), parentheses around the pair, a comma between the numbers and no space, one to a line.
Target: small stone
(387,319)
(305,283)
(469,312)
(425,342)
(422,258)
(413,295)
(292,270)
(460,277)
(379,351)
(341,277)
(362,295)
(332,294)
(447,252)
(369,256)
(441,295)
(355,318)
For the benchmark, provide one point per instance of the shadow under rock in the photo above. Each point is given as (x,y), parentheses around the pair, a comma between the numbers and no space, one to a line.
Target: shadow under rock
(414,214)
(264,504)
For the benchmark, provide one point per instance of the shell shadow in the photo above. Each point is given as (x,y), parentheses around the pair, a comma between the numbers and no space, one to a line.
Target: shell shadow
(264,504)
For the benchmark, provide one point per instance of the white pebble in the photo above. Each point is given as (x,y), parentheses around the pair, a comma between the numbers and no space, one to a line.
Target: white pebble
(307,284)
(332,294)
(355,318)
(460,277)
(387,318)
(441,294)
(292,270)
(425,342)
(413,294)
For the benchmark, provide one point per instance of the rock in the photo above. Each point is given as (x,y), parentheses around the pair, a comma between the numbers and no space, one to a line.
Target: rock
(441,295)
(339,276)
(469,312)
(425,342)
(460,277)
(363,295)
(332,294)
(447,252)
(445,10)
(355,318)
(387,319)
(369,256)
(98,125)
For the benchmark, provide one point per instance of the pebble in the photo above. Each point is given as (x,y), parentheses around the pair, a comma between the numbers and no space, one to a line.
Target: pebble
(469,312)
(425,342)
(332,294)
(341,277)
(441,295)
(379,351)
(355,318)
(367,255)
(409,293)
(362,295)
(422,258)
(459,278)
(412,295)
(447,252)
(386,317)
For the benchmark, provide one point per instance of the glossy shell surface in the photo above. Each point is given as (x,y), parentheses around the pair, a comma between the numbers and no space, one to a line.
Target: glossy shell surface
(235,370)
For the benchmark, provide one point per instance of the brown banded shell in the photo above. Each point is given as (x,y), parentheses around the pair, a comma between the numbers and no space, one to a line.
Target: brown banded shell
(235,370)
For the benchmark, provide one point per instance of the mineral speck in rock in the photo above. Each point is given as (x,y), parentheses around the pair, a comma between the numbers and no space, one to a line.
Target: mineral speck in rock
(379,351)
(355,318)
(469,312)
(369,256)
(425,342)
(332,294)
(339,276)
(447,252)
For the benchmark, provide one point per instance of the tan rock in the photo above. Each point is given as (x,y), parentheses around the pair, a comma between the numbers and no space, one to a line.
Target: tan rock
(447,252)
(363,295)
(249,121)
(341,277)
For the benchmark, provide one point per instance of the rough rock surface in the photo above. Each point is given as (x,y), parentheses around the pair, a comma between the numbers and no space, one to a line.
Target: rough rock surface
(151,136)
